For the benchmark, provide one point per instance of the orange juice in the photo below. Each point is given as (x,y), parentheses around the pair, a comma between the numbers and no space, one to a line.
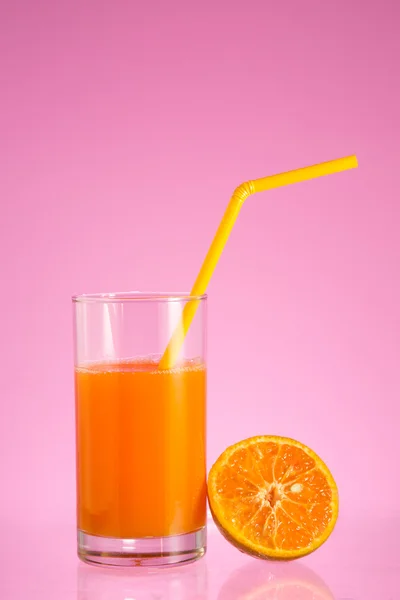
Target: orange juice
(140,449)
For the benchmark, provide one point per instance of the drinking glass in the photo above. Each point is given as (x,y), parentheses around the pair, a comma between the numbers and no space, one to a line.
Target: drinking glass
(140,430)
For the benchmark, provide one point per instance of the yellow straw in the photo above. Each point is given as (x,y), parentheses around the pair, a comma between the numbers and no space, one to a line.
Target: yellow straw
(241,193)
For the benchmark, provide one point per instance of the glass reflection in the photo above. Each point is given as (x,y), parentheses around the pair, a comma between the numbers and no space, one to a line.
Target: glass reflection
(261,580)
(179,583)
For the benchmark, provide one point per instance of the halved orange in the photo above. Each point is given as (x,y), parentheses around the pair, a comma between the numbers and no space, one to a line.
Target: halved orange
(273,497)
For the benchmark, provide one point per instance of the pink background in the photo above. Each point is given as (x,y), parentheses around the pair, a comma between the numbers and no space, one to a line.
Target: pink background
(124,128)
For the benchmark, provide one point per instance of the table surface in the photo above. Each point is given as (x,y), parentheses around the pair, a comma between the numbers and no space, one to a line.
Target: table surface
(359,562)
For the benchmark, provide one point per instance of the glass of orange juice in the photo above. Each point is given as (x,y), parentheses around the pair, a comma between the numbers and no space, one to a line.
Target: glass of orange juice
(140,430)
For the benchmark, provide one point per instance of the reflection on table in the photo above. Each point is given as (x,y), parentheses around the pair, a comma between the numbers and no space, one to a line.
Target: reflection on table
(262,580)
(177,583)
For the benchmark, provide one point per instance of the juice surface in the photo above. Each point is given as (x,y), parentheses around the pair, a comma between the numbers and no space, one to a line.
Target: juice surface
(140,449)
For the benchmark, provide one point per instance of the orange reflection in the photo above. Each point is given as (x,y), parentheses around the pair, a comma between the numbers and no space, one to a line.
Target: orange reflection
(260,580)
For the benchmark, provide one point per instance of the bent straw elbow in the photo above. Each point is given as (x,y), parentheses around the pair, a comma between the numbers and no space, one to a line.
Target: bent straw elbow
(243,191)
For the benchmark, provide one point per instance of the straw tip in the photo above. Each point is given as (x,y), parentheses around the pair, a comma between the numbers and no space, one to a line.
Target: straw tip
(354,161)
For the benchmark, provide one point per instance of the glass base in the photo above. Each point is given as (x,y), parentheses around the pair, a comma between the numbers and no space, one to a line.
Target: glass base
(142,552)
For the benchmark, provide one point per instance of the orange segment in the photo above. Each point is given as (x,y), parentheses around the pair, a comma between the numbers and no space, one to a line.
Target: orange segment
(273,497)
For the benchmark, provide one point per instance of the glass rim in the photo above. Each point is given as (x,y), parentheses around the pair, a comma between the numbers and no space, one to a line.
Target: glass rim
(112,297)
